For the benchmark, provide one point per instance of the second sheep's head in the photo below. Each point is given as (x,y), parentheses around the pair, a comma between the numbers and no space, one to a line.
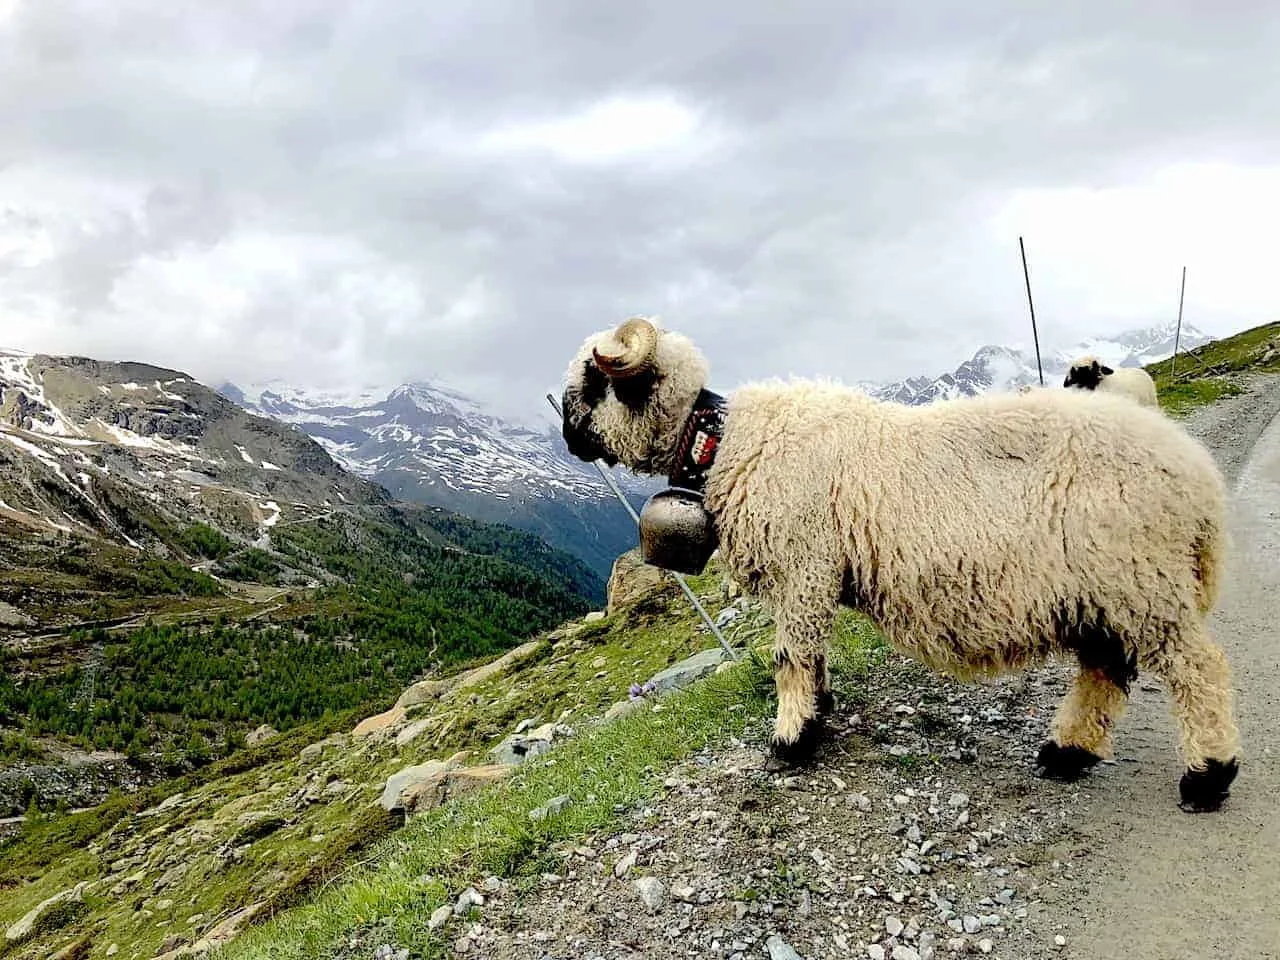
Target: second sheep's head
(627,394)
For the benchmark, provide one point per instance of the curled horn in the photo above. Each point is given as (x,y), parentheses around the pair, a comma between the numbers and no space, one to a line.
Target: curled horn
(628,350)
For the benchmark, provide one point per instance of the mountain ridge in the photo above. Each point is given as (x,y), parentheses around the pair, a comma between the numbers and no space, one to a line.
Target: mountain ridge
(428,442)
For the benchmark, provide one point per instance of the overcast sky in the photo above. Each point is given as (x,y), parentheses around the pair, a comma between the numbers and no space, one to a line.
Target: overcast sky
(338,192)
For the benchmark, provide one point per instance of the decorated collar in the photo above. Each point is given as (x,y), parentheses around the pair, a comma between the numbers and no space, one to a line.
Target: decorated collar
(699,441)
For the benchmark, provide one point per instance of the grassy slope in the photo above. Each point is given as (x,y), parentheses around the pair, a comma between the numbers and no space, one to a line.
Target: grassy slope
(490,833)
(1214,371)
(573,673)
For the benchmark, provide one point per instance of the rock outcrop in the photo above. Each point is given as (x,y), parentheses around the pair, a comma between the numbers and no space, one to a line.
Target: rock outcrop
(633,580)
(427,785)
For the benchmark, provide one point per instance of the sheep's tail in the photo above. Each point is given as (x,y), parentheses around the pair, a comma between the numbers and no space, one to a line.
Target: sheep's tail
(1208,560)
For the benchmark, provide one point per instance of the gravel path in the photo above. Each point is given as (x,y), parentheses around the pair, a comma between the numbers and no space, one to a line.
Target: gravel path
(922,831)
(1197,886)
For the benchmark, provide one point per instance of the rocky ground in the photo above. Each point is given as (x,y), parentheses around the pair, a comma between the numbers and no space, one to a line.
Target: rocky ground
(921,832)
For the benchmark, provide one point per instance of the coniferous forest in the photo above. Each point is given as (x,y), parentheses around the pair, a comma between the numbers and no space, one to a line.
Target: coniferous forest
(399,595)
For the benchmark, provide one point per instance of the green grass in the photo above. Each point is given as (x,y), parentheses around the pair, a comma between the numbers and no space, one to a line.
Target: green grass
(606,769)
(1214,371)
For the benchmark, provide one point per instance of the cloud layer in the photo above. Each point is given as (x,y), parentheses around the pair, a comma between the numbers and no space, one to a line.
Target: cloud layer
(338,193)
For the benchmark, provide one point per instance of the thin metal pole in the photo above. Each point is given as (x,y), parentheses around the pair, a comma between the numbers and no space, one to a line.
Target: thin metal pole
(1177,336)
(617,492)
(1026,275)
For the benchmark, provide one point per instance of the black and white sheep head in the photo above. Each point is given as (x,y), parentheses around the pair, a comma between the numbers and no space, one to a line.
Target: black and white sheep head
(627,394)
(1086,373)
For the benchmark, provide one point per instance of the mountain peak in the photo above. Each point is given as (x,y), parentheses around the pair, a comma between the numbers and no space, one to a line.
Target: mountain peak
(1003,368)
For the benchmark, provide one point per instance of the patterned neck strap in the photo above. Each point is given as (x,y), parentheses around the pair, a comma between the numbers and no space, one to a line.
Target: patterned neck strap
(698,442)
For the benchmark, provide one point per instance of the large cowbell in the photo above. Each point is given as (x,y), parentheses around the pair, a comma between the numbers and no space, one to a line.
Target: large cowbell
(676,531)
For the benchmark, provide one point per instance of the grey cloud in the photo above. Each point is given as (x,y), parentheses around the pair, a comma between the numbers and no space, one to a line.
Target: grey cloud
(830,230)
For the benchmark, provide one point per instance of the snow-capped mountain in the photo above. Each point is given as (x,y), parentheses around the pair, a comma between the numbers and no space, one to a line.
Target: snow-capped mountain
(1005,368)
(427,443)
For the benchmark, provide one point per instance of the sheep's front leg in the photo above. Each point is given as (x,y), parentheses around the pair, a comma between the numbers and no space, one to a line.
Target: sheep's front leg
(805,615)
(1082,728)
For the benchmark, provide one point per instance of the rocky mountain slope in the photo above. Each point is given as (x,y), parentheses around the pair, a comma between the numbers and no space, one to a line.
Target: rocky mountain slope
(175,571)
(127,452)
(426,442)
(1001,368)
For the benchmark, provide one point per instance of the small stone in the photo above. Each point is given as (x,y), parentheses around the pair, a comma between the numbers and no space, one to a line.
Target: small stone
(903,952)
(863,802)
(959,800)
(876,952)
(652,893)
(779,949)
(955,924)
(626,863)
(1059,941)
(972,924)
(893,926)
(113,950)
(439,917)
(956,944)
(471,897)
(685,893)
(552,807)
(986,945)
(492,884)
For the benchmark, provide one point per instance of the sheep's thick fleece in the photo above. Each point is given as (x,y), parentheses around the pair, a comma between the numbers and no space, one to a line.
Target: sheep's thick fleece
(971,528)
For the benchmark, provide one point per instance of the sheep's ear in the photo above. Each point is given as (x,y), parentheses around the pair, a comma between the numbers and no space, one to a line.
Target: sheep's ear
(1106,371)
(1067,381)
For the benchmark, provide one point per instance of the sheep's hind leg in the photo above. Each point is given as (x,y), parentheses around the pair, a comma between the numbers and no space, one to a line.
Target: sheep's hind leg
(1200,687)
(1081,734)
(805,616)
(822,683)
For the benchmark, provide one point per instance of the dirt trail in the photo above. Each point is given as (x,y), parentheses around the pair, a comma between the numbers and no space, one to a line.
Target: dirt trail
(1170,887)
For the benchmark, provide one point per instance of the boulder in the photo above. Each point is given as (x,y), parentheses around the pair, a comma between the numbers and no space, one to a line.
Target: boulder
(11,616)
(413,731)
(392,794)
(262,733)
(228,928)
(452,783)
(624,708)
(427,785)
(632,580)
(425,691)
(378,725)
(23,927)
(519,747)
(687,671)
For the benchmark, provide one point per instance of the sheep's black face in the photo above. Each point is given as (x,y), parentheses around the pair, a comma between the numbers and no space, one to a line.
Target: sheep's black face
(577,405)
(627,394)
(1087,376)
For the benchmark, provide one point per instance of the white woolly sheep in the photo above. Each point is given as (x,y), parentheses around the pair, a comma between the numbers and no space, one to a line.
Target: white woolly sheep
(1088,373)
(981,534)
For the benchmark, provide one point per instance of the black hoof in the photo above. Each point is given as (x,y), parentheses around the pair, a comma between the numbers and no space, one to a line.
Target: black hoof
(1203,791)
(1067,764)
(800,751)
(826,703)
